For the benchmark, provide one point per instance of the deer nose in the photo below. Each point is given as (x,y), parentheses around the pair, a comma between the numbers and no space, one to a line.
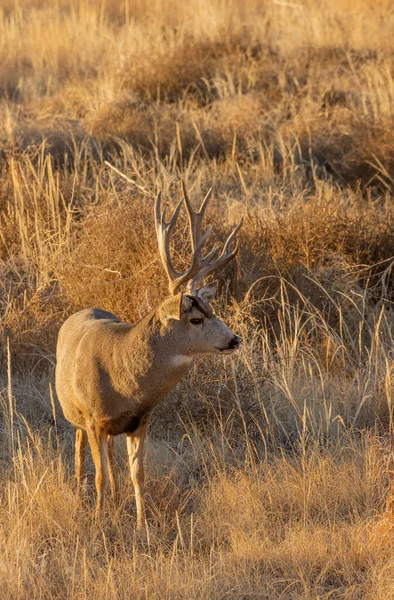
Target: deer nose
(235,342)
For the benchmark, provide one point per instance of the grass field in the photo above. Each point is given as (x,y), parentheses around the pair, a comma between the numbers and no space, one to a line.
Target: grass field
(268,473)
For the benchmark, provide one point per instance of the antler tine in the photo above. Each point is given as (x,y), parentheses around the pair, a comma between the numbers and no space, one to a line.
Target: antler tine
(164,231)
(225,257)
(200,266)
(195,218)
(204,203)
(160,214)
(231,236)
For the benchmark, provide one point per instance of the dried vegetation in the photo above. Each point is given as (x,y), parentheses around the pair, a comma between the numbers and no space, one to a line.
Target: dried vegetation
(268,474)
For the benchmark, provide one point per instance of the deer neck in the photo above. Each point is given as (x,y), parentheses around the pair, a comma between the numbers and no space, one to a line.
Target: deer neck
(150,363)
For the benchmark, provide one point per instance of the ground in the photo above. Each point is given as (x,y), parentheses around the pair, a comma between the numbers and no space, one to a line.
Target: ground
(268,473)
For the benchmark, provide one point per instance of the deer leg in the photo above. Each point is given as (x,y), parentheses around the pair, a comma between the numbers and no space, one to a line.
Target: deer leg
(112,468)
(135,450)
(98,441)
(81,441)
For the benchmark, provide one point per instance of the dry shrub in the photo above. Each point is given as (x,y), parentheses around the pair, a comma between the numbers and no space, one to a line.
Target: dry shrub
(313,489)
(306,522)
(116,265)
(229,78)
(117,255)
(176,73)
(267,474)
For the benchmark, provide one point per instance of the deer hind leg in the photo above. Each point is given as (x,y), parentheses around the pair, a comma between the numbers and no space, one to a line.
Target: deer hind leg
(112,469)
(135,450)
(81,440)
(98,441)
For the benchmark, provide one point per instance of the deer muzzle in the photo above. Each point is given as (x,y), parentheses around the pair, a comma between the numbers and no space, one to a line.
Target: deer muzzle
(235,342)
(232,346)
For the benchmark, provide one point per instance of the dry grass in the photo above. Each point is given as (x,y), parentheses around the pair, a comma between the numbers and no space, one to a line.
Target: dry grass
(268,474)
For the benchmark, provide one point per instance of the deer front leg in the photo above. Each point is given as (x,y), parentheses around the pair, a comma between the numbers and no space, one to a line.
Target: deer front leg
(81,441)
(98,441)
(112,469)
(135,450)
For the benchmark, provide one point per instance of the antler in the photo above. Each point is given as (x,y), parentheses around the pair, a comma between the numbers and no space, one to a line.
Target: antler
(200,266)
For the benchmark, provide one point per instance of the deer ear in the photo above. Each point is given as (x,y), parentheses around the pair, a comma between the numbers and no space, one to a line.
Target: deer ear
(207,292)
(172,308)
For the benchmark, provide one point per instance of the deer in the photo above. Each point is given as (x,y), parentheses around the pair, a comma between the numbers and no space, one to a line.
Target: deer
(110,374)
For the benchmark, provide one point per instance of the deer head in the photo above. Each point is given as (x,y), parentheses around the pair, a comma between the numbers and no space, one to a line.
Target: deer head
(188,315)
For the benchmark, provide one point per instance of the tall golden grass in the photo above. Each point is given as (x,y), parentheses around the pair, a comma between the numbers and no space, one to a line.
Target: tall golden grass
(268,474)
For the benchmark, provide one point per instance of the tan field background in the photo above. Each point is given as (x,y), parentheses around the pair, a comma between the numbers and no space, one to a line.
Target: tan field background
(268,474)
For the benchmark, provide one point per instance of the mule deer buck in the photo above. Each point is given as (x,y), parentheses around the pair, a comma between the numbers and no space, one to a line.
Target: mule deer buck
(110,375)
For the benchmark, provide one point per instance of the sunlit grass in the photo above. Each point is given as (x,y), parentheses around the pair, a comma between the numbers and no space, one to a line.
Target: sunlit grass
(268,474)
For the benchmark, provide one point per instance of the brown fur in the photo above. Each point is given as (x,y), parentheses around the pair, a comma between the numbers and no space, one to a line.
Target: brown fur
(110,375)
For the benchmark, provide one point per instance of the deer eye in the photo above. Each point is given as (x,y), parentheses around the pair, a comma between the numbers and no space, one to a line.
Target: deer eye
(196,321)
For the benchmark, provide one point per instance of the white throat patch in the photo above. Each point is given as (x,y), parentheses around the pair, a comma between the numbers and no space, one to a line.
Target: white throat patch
(181,360)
